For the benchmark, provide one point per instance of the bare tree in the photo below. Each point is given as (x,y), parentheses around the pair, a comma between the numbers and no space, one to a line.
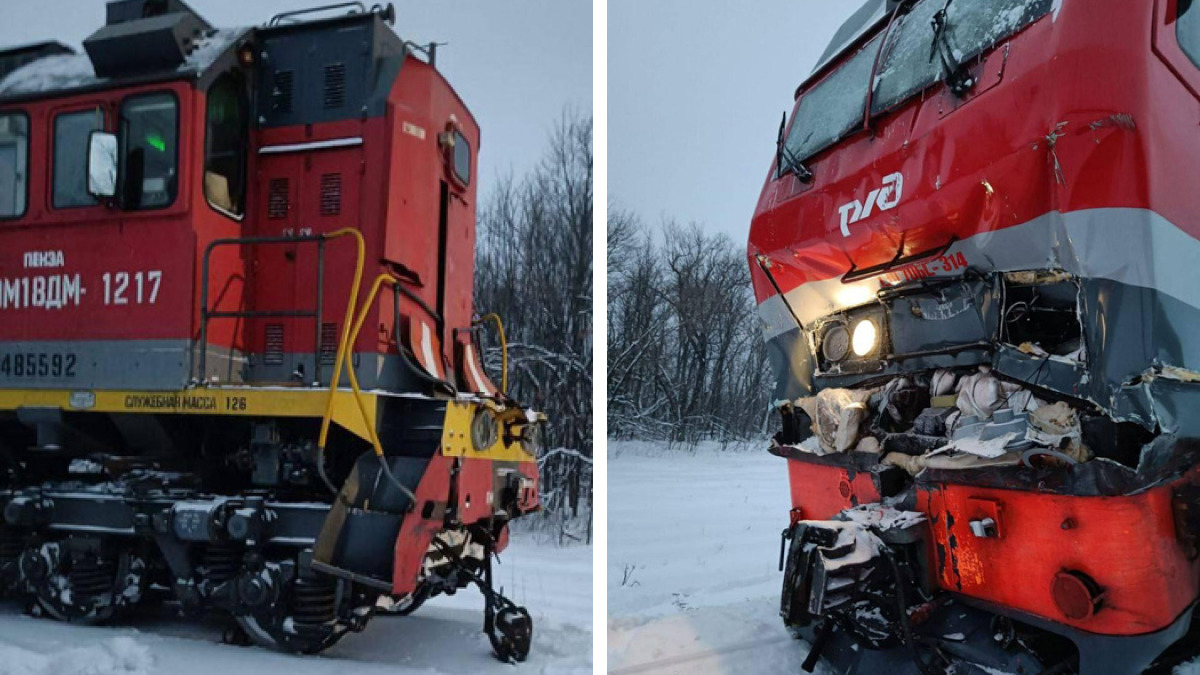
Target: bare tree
(686,361)
(534,268)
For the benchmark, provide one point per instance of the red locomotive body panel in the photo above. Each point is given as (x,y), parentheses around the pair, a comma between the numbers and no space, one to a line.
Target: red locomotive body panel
(1146,586)
(821,492)
(382,174)
(95,241)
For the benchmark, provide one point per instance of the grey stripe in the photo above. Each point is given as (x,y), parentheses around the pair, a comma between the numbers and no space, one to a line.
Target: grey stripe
(1131,246)
(107,364)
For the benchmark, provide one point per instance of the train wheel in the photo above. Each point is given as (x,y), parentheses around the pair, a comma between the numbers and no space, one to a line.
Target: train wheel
(80,583)
(301,619)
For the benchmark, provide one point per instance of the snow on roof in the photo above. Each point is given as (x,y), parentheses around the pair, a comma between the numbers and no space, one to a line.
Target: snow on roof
(59,73)
(868,15)
(50,74)
(210,48)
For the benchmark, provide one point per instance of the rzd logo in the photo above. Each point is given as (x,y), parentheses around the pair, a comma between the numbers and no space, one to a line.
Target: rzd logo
(883,198)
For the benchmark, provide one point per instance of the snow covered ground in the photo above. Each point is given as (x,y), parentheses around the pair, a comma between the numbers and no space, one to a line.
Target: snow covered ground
(693,582)
(693,546)
(443,637)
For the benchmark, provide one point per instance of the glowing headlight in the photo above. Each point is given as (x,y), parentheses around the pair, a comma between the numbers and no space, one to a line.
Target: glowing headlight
(865,337)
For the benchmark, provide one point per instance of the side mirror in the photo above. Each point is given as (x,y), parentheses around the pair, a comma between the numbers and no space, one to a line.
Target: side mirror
(102,164)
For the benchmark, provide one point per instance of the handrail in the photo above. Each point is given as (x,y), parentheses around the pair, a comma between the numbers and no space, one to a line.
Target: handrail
(278,19)
(350,339)
(339,361)
(206,315)
(495,318)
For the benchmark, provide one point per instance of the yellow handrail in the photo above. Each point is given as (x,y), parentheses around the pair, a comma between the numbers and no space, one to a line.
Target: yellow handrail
(495,318)
(343,346)
(350,374)
(376,444)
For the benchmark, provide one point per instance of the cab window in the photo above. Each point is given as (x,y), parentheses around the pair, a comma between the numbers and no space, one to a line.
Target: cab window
(71,132)
(225,147)
(149,133)
(14,164)
(1187,29)
(834,107)
(461,159)
(909,63)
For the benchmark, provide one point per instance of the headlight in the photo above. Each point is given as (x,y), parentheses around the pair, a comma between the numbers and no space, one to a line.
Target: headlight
(866,338)
(531,440)
(483,430)
(836,344)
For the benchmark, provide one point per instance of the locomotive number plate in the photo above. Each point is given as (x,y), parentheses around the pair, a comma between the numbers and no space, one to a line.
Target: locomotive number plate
(34,365)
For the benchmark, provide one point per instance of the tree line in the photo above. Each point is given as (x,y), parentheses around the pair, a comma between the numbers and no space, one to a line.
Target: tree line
(534,268)
(686,360)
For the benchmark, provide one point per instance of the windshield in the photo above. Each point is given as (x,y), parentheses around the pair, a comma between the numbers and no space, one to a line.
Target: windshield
(972,28)
(835,106)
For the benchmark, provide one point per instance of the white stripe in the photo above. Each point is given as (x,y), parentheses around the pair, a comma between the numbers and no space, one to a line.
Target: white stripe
(431,364)
(1130,246)
(315,145)
(479,382)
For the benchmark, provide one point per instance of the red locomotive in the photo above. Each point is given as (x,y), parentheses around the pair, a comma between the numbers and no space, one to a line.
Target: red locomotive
(239,362)
(975,261)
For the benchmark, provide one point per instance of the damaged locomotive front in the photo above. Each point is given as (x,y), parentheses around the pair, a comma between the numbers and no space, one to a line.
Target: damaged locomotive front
(982,331)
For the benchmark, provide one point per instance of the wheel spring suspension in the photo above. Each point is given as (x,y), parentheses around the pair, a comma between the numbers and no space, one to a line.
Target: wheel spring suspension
(314,602)
(91,577)
(222,562)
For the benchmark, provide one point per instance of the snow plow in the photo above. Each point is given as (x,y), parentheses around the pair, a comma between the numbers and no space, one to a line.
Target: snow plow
(240,365)
(973,257)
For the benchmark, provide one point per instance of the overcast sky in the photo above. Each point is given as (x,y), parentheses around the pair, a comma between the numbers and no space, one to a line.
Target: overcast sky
(517,64)
(695,92)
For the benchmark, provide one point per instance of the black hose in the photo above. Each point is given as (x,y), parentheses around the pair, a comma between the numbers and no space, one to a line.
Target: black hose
(321,472)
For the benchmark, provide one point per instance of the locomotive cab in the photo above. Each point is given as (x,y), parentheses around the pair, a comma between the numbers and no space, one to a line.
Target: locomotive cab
(969,261)
(237,276)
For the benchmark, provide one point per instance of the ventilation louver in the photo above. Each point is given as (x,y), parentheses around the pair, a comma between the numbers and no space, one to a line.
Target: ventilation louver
(329,343)
(273,349)
(331,194)
(278,202)
(335,85)
(282,91)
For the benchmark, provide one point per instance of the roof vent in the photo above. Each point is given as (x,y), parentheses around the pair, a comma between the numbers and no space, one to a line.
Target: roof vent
(144,36)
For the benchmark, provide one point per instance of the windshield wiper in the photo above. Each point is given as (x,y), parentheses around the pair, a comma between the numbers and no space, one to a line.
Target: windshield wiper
(958,79)
(786,161)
